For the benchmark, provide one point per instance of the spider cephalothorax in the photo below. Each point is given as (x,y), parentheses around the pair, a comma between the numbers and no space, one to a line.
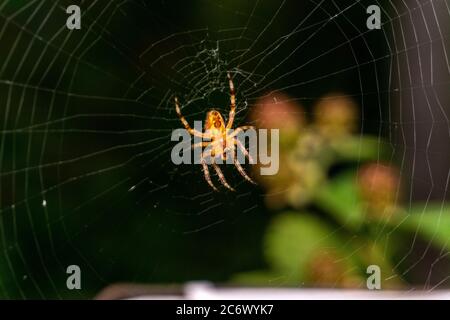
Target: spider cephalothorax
(223,140)
(214,123)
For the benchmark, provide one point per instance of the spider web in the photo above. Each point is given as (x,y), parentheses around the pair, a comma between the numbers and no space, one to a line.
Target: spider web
(87,116)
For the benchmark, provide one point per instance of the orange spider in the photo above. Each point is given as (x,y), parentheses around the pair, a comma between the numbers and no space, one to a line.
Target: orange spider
(222,139)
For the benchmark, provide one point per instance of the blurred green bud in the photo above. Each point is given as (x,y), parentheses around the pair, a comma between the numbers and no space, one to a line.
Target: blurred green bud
(328,269)
(379,185)
(311,145)
(279,111)
(309,176)
(276,185)
(336,115)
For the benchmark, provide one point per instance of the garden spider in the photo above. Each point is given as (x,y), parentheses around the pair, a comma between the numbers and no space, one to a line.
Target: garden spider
(222,138)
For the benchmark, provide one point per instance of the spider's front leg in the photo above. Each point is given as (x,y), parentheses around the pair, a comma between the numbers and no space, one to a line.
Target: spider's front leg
(232,102)
(239,130)
(186,124)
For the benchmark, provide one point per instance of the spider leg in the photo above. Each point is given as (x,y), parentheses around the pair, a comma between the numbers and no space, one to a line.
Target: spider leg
(239,130)
(244,151)
(242,171)
(186,124)
(236,162)
(232,102)
(207,175)
(221,176)
(200,144)
(228,151)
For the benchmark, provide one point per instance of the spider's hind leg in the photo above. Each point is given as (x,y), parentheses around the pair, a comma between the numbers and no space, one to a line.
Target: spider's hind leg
(207,175)
(222,177)
(242,171)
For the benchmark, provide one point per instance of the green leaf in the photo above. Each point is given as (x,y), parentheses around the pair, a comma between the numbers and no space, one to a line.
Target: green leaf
(340,198)
(430,220)
(293,238)
(355,148)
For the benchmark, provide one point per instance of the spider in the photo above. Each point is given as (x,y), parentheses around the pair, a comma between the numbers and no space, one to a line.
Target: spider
(222,139)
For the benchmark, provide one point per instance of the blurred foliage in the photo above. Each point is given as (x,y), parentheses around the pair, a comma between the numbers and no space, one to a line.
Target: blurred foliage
(429,220)
(339,206)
